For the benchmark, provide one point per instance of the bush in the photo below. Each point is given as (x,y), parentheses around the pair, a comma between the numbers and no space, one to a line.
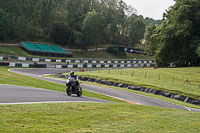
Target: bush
(112,50)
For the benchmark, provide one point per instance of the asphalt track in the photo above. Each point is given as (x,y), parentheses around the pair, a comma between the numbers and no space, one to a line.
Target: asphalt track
(127,96)
(11,94)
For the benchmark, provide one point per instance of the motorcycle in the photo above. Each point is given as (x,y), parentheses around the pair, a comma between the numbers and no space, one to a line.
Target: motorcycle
(73,87)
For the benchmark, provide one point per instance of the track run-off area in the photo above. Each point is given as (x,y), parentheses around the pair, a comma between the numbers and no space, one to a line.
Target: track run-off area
(11,94)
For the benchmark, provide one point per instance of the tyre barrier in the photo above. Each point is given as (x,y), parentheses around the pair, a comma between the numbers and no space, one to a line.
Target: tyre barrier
(4,64)
(139,88)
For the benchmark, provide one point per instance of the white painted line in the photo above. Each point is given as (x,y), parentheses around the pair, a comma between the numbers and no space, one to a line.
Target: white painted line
(70,66)
(68,60)
(106,65)
(77,61)
(58,66)
(25,65)
(12,64)
(47,60)
(44,102)
(89,65)
(21,58)
(85,61)
(98,66)
(35,59)
(58,60)
(80,65)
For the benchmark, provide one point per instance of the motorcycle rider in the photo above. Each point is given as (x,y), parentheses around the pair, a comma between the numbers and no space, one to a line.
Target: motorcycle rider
(75,77)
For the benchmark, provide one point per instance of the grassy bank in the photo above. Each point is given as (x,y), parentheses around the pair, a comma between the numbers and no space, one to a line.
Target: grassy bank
(15,50)
(96,117)
(167,79)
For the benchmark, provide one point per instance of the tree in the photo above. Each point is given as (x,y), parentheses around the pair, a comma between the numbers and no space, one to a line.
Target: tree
(150,37)
(136,29)
(4,25)
(93,28)
(60,34)
(179,35)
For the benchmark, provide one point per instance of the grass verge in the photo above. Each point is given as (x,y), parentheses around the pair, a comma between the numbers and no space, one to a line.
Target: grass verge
(96,117)
(160,79)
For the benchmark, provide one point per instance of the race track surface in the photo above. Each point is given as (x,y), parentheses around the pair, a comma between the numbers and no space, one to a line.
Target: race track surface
(135,98)
(11,94)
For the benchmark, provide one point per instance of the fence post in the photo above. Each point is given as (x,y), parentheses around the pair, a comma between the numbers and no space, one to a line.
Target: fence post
(132,73)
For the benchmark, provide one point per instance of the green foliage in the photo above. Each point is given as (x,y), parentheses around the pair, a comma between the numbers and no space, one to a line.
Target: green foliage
(177,39)
(93,28)
(112,50)
(60,34)
(4,25)
(150,37)
(136,29)
(81,22)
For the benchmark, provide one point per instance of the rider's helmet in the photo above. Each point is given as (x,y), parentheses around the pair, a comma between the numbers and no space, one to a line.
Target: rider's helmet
(72,73)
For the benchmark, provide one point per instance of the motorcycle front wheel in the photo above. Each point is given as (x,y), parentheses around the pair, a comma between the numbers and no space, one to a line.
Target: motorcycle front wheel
(79,93)
(69,90)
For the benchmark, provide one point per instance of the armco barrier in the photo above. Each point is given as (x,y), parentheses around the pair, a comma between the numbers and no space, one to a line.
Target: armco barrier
(103,65)
(76,60)
(27,65)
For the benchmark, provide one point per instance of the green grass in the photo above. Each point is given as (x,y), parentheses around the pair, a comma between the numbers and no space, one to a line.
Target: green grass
(152,79)
(96,117)
(13,50)
(104,54)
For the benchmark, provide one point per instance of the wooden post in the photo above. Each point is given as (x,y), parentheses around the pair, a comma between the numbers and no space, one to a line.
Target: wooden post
(121,72)
(173,79)
(132,73)
(159,77)
(145,74)
(109,71)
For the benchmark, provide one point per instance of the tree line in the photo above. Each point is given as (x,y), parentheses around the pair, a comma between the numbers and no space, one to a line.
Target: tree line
(71,23)
(177,40)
